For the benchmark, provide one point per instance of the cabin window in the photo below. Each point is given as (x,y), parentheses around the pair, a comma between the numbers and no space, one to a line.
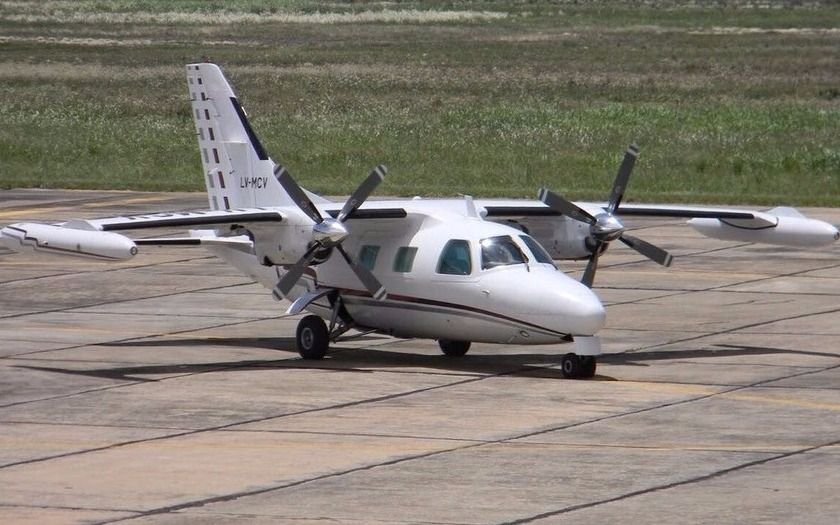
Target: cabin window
(455,258)
(367,256)
(539,253)
(404,260)
(500,251)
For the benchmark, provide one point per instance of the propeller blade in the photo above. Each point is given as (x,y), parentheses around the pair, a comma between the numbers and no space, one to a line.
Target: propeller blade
(589,273)
(622,177)
(288,281)
(362,192)
(568,208)
(297,194)
(368,279)
(654,253)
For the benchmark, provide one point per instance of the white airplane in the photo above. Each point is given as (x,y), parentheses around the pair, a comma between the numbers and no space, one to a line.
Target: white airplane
(454,270)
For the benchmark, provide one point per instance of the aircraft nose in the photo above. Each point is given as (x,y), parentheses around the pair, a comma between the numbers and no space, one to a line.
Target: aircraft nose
(569,306)
(584,310)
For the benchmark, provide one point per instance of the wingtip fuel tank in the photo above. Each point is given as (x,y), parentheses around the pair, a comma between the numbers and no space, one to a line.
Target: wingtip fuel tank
(786,227)
(60,240)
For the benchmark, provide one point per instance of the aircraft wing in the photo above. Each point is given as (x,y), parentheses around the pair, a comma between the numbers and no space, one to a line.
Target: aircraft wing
(97,238)
(781,226)
(519,208)
(214,218)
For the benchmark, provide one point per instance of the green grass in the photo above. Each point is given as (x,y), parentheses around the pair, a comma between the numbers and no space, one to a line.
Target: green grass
(729,103)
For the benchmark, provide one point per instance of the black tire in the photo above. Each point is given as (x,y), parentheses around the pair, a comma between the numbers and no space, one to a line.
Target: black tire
(588,364)
(571,366)
(312,338)
(454,348)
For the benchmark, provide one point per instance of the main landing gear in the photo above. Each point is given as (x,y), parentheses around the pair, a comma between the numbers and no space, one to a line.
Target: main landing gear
(576,366)
(312,337)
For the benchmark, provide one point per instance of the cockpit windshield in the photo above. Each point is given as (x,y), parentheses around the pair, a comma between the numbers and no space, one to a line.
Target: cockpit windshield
(500,251)
(540,255)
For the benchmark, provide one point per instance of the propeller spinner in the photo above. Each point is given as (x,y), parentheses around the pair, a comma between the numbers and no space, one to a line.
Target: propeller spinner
(606,227)
(328,232)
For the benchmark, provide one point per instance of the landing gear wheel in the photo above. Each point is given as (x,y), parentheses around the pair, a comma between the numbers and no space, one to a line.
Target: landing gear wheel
(588,363)
(312,338)
(454,348)
(571,366)
(576,366)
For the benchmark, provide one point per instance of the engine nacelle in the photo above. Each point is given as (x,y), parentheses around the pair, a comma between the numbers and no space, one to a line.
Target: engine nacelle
(791,229)
(563,238)
(59,240)
(281,244)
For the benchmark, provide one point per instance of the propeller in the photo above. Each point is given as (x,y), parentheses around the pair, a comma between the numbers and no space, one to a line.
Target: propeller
(328,232)
(606,227)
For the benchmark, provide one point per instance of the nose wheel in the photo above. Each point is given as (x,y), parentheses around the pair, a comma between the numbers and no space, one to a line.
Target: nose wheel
(453,348)
(576,366)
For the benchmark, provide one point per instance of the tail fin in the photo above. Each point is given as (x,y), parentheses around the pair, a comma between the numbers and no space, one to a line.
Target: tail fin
(238,172)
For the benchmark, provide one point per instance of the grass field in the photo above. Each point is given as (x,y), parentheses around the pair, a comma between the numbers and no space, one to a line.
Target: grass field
(730,101)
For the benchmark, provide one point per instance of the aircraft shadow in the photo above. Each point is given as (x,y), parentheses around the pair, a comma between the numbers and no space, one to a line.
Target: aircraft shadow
(368,360)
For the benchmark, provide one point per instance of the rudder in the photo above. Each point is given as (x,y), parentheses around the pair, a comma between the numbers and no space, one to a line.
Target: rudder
(238,173)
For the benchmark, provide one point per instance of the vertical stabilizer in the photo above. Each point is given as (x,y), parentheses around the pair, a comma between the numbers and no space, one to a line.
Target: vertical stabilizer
(238,172)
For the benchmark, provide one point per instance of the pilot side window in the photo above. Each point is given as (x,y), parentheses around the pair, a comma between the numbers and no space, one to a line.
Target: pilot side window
(455,258)
(404,260)
(500,251)
(540,255)
(367,256)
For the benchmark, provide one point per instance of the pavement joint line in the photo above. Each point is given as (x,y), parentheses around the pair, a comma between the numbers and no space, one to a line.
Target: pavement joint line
(106,303)
(129,339)
(777,276)
(676,257)
(65,507)
(733,329)
(507,440)
(698,448)
(720,288)
(86,425)
(157,314)
(666,486)
(354,434)
(230,497)
(73,203)
(109,270)
(132,382)
(225,426)
(370,400)
(279,519)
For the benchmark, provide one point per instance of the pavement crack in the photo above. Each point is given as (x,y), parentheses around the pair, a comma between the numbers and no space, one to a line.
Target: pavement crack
(666,486)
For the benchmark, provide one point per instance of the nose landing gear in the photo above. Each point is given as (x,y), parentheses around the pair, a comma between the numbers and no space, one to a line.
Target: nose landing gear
(453,348)
(576,366)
